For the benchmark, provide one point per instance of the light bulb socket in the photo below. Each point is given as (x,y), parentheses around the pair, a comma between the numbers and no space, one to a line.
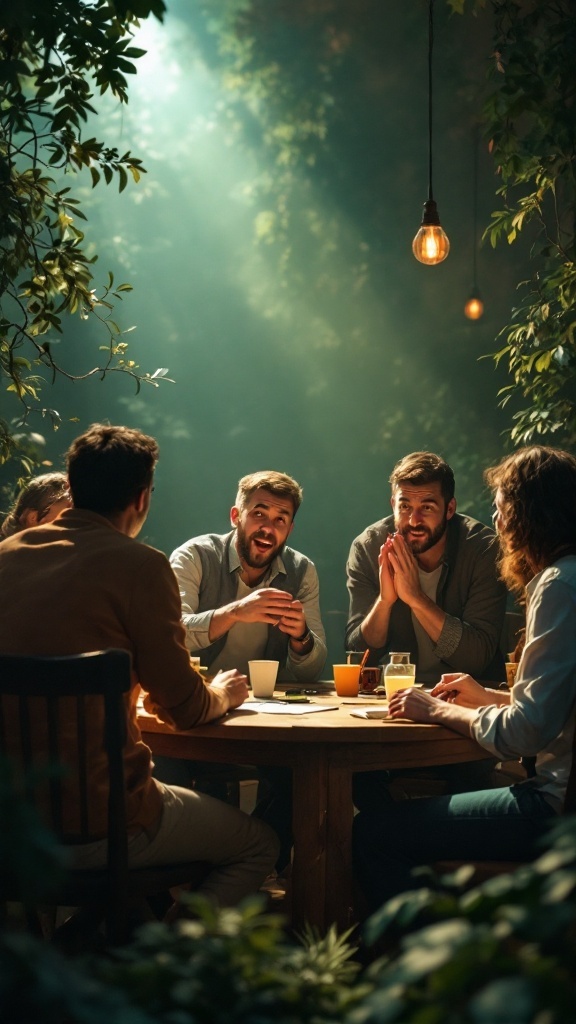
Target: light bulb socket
(430,216)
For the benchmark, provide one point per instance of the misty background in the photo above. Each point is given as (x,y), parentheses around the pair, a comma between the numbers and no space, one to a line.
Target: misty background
(269,246)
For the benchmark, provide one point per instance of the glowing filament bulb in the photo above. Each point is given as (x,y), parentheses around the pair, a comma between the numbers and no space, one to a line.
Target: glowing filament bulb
(431,243)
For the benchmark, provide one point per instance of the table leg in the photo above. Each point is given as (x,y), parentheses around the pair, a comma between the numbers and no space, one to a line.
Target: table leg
(339,819)
(310,777)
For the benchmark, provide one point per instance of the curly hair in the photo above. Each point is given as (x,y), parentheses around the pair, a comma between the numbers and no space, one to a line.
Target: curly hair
(537,487)
(37,496)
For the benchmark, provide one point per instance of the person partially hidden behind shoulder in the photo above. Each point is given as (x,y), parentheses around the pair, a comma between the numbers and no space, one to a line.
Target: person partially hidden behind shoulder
(39,502)
(247,595)
(424,580)
(535,497)
(83,583)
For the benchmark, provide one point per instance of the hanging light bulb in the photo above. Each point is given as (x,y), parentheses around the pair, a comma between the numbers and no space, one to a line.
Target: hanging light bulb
(474,307)
(431,243)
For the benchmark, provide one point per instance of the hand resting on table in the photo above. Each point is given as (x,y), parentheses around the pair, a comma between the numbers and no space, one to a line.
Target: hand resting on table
(462,689)
(420,706)
(413,703)
(233,684)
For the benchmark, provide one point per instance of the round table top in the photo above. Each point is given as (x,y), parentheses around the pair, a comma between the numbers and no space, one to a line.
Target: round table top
(334,724)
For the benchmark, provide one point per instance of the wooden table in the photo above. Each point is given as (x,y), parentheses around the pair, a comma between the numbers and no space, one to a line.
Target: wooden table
(323,750)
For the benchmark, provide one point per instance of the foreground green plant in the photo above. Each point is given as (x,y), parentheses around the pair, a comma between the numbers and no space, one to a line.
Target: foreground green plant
(235,966)
(500,953)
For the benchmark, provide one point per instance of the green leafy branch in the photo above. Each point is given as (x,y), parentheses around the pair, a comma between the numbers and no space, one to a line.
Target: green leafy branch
(50,56)
(530,120)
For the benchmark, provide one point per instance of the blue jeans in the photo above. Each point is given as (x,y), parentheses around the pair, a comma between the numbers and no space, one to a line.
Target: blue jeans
(493,824)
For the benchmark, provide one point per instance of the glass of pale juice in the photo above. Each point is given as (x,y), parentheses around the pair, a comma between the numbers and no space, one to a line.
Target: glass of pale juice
(399,682)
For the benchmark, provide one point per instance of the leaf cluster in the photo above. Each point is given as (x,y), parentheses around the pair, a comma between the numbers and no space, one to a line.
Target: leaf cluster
(500,952)
(52,57)
(224,967)
(233,966)
(530,120)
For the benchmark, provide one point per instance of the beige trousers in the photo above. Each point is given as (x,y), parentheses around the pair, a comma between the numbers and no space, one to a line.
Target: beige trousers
(194,826)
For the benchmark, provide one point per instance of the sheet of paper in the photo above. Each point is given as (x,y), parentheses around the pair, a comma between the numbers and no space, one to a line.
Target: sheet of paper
(370,713)
(273,707)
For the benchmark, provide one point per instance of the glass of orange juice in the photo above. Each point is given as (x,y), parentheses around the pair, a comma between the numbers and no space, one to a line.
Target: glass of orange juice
(346,680)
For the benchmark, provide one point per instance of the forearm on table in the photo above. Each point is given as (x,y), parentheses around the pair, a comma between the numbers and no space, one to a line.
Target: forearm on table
(502,698)
(454,717)
(176,693)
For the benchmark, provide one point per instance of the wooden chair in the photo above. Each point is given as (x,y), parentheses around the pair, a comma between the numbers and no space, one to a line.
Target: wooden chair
(48,707)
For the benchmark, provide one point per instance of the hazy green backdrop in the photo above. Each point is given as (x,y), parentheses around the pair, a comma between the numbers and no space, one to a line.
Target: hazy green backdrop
(269,246)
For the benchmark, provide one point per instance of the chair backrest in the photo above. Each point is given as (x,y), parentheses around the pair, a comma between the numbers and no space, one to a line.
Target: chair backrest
(63,728)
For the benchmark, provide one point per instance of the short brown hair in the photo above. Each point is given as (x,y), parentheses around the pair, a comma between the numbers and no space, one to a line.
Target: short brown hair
(538,488)
(279,484)
(424,468)
(109,466)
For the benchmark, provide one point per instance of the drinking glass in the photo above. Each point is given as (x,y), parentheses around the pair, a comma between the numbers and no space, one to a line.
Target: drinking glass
(399,673)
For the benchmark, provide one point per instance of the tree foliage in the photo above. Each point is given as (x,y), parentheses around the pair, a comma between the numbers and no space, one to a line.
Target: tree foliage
(530,120)
(53,56)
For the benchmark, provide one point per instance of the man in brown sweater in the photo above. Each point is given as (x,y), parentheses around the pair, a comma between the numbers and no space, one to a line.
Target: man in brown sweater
(84,583)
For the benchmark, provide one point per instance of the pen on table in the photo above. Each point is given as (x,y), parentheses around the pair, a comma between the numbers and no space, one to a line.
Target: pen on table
(268,700)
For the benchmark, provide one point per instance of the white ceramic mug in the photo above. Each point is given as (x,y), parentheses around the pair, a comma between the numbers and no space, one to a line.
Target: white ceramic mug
(263,677)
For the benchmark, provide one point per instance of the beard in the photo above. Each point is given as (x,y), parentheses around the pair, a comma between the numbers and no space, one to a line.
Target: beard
(427,538)
(257,559)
